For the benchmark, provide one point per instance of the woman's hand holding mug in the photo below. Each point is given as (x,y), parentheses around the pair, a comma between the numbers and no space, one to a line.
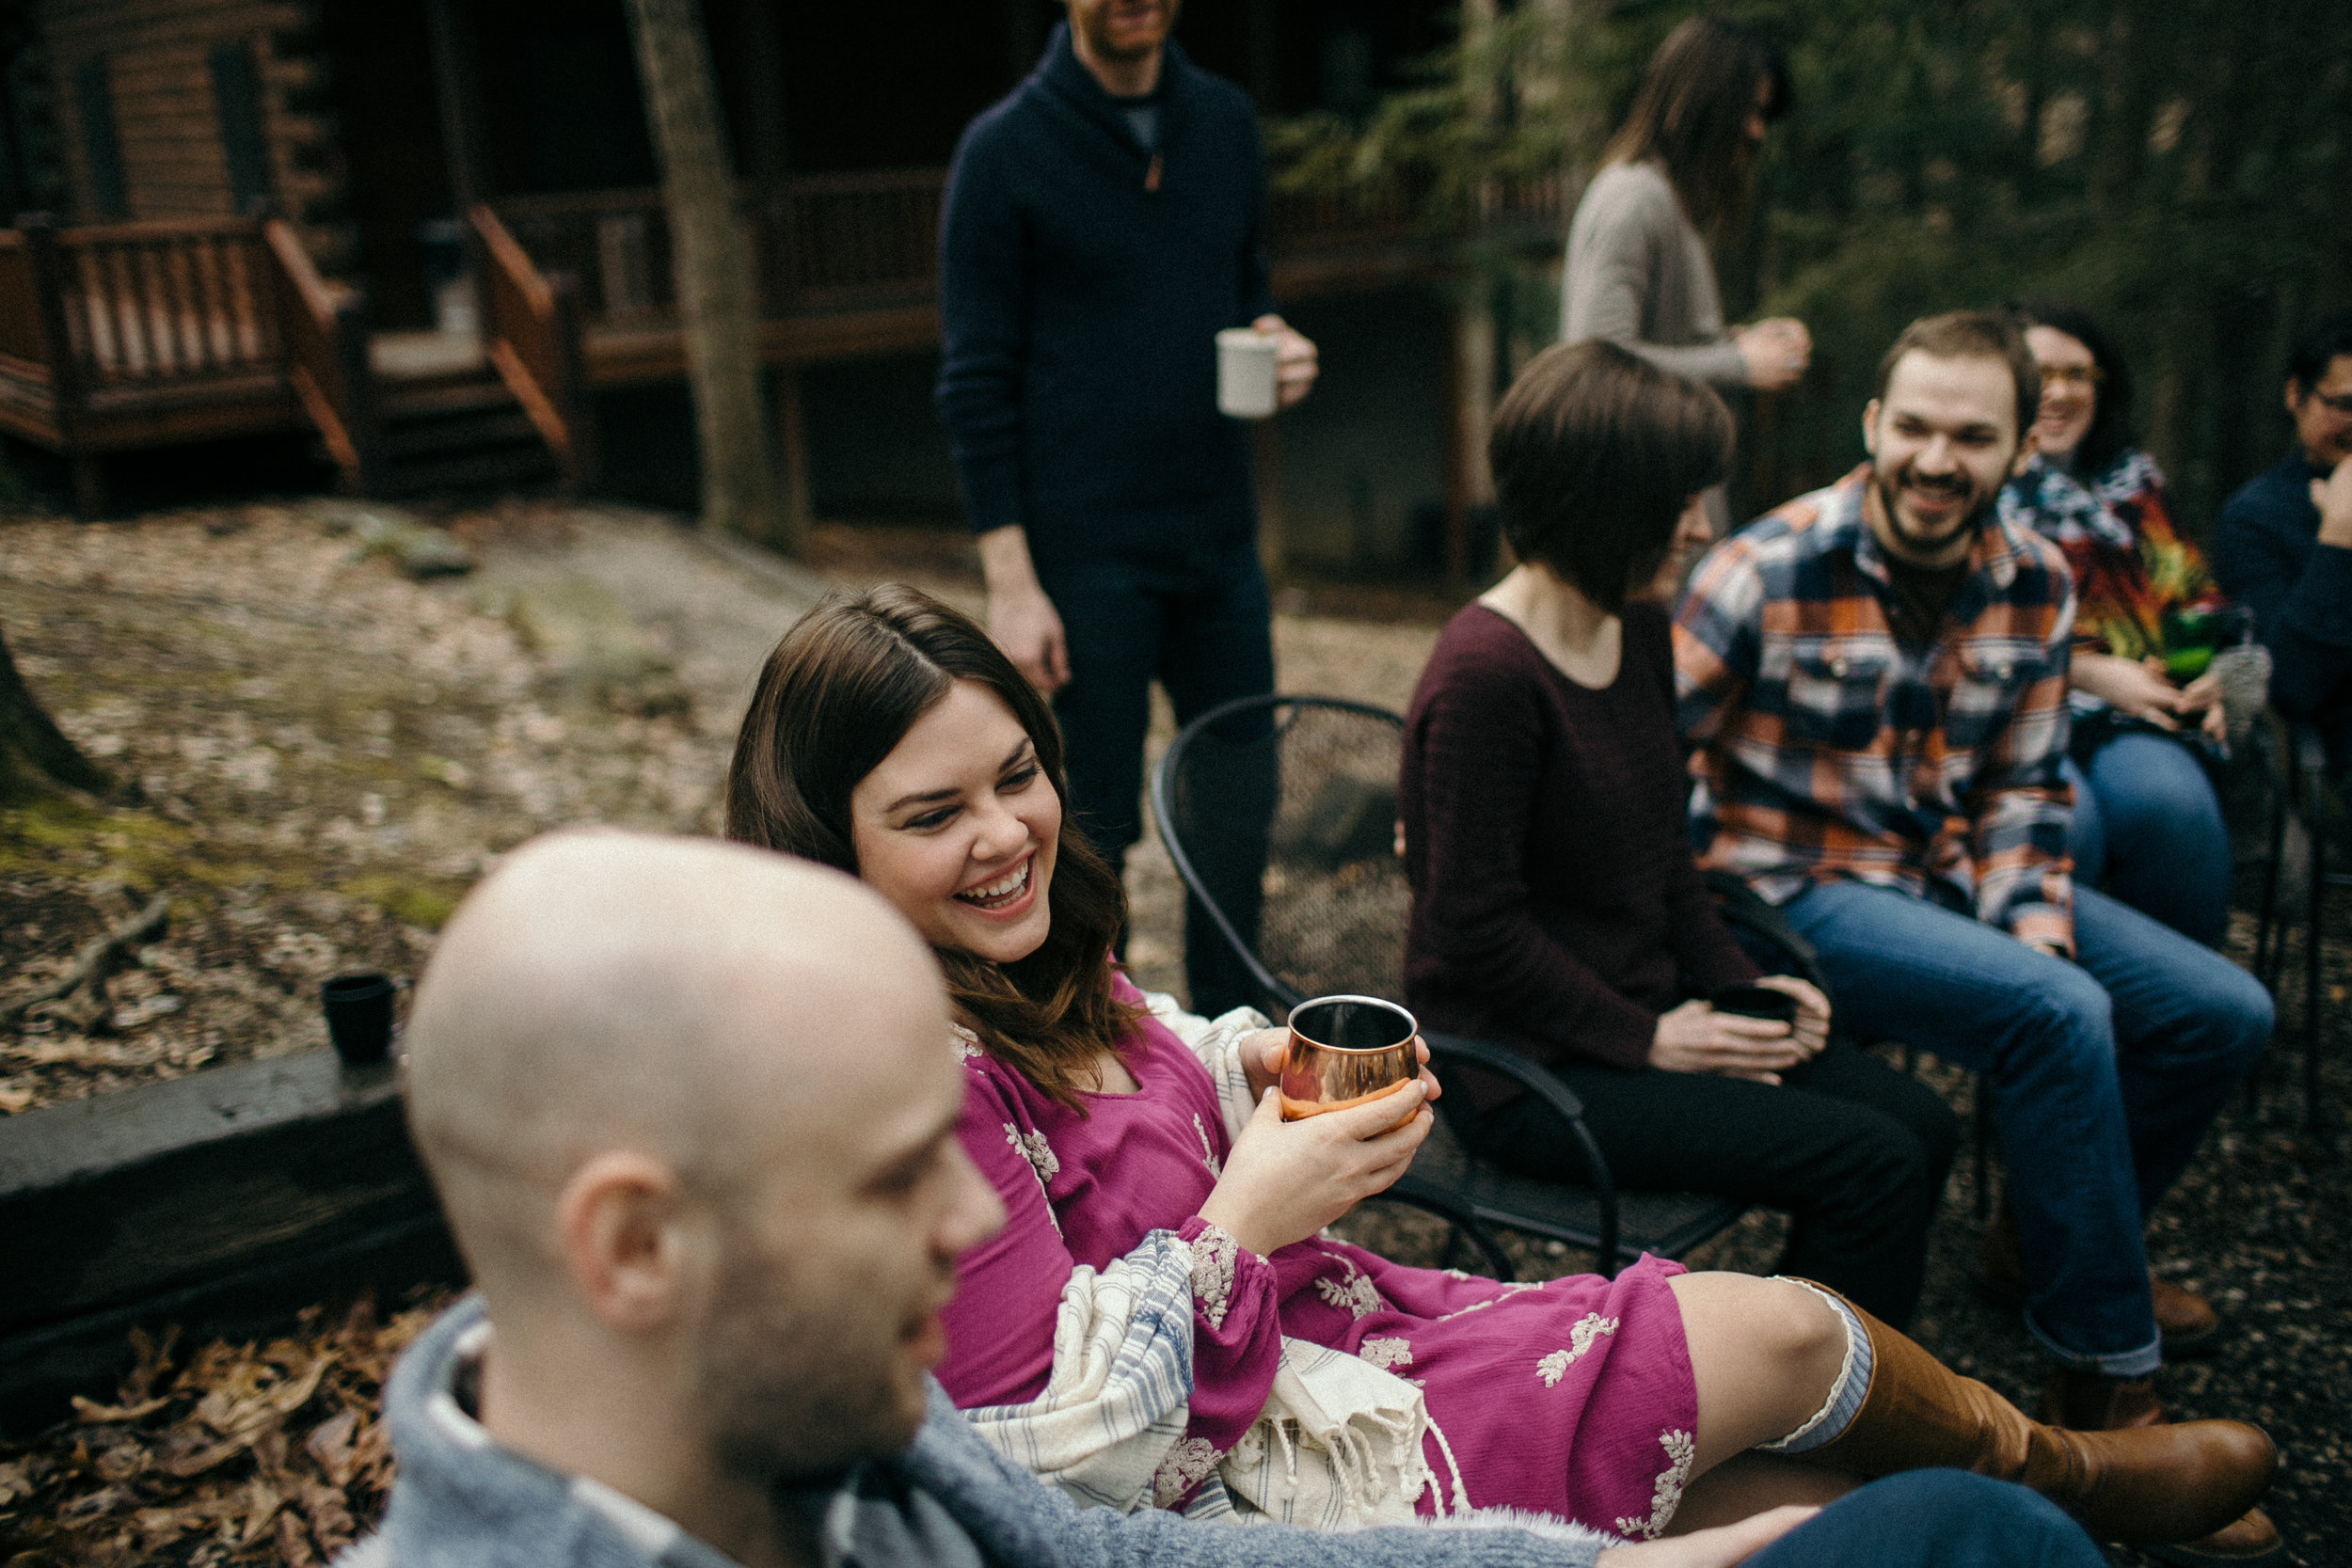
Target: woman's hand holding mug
(1285,1180)
(1812,1022)
(1694,1037)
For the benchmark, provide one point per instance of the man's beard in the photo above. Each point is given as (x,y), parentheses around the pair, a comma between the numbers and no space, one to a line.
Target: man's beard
(1099,38)
(797,1397)
(1969,521)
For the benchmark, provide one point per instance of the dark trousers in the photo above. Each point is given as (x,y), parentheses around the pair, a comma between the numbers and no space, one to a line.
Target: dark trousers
(1854,1151)
(1200,626)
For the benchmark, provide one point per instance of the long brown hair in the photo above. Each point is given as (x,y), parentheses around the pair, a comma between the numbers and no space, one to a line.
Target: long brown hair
(1692,115)
(836,697)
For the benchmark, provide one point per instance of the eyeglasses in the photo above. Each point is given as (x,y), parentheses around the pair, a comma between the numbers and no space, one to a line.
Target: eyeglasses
(2078,375)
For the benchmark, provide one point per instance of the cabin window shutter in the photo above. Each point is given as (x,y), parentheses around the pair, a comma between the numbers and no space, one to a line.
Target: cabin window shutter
(237,107)
(101,149)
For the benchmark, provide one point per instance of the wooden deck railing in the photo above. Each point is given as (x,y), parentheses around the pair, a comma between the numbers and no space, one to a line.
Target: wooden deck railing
(870,237)
(832,242)
(152,303)
(324,328)
(861,237)
(155,325)
(534,338)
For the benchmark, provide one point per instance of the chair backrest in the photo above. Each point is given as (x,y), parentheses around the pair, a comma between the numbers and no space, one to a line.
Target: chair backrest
(1281,816)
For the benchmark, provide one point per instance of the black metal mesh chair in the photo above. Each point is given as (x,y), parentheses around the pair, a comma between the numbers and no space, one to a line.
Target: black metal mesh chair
(1279,814)
(2294,758)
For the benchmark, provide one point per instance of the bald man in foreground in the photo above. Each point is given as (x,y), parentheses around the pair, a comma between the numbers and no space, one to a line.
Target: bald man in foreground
(689,1107)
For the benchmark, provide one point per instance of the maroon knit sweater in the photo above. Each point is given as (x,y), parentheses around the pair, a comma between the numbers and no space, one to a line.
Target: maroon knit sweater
(1556,906)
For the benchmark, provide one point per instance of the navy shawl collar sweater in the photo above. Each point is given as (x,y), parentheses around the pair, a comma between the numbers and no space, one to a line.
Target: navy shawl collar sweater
(1081,292)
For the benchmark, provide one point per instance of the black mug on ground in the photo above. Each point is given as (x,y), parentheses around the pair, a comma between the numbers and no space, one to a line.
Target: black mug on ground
(359,1015)
(1755,1002)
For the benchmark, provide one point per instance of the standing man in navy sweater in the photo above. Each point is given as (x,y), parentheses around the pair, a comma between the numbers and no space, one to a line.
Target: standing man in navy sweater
(1103,223)
(2283,546)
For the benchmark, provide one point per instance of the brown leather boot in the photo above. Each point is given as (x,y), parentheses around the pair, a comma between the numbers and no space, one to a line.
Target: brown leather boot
(2086,1402)
(2151,1483)
(2190,1326)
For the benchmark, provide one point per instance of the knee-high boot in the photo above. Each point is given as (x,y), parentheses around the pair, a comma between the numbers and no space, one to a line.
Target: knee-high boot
(2152,1485)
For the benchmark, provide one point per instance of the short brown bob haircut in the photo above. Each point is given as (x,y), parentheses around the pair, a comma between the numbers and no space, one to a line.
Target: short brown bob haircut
(1971,335)
(834,698)
(1595,452)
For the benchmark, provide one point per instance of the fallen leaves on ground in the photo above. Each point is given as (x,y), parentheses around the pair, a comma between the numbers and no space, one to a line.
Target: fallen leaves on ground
(239,1453)
(325,754)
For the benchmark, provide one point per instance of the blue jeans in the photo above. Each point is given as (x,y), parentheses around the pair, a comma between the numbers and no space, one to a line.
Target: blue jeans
(2148,829)
(1935,1519)
(1202,626)
(2105,1072)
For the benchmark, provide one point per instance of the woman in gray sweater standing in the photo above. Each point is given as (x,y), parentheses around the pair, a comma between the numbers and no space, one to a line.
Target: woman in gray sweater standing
(1676,175)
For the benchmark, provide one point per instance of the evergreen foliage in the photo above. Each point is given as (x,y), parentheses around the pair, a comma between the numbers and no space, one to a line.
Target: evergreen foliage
(2183,169)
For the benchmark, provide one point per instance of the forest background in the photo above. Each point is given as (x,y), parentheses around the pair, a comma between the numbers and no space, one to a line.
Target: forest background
(2182,168)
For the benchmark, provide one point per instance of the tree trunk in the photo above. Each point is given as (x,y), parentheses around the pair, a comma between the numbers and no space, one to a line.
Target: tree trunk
(35,758)
(718,306)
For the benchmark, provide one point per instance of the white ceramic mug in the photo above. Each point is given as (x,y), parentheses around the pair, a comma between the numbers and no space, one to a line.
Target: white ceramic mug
(1245,373)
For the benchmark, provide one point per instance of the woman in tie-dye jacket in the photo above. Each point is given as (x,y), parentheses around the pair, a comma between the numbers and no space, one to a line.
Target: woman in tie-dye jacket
(2146,707)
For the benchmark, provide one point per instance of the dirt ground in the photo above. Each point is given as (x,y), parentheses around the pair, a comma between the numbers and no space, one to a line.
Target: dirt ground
(325,755)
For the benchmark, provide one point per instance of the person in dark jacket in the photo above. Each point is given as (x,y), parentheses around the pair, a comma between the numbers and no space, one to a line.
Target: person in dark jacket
(1557,907)
(2283,546)
(1103,223)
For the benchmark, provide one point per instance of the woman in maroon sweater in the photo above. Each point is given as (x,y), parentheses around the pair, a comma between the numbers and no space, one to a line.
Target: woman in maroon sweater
(1556,906)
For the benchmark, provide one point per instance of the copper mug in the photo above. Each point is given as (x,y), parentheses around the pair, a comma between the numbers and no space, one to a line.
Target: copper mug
(1345,1051)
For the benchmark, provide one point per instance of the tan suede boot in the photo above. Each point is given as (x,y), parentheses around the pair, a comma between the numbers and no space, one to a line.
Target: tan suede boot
(2148,1484)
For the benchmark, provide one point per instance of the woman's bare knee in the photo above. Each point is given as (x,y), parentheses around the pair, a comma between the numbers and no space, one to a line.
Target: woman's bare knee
(1765,1354)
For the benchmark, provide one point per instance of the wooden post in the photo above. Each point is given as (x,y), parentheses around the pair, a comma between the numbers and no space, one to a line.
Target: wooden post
(1471,385)
(1272,539)
(582,458)
(361,424)
(65,366)
(767,152)
(792,437)
(457,95)
(1469,415)
(717,308)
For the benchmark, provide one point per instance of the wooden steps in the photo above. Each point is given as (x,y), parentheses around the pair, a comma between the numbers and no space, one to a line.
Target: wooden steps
(459,432)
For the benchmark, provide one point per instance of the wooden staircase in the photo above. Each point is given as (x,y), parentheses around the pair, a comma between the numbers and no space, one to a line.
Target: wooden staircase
(457,432)
(124,337)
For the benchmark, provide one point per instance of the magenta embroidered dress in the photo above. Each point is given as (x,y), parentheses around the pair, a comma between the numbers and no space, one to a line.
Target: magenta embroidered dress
(1574,1397)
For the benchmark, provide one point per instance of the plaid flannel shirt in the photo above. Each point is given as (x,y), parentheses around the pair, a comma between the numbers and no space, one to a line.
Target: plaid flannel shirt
(1825,750)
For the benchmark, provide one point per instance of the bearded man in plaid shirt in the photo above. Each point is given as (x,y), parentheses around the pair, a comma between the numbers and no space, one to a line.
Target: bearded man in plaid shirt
(1874,679)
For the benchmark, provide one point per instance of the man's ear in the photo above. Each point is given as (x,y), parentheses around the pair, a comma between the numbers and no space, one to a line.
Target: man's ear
(1871,427)
(2294,399)
(621,1221)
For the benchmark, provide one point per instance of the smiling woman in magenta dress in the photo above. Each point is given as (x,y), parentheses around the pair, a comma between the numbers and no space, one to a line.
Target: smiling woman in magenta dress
(1604,1359)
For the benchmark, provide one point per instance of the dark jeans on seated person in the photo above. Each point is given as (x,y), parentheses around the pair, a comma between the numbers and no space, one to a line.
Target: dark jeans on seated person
(1855,1152)
(2148,829)
(2104,1074)
(1935,1519)
(1202,626)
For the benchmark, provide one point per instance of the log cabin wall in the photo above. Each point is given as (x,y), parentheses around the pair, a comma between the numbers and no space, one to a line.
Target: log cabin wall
(197,108)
